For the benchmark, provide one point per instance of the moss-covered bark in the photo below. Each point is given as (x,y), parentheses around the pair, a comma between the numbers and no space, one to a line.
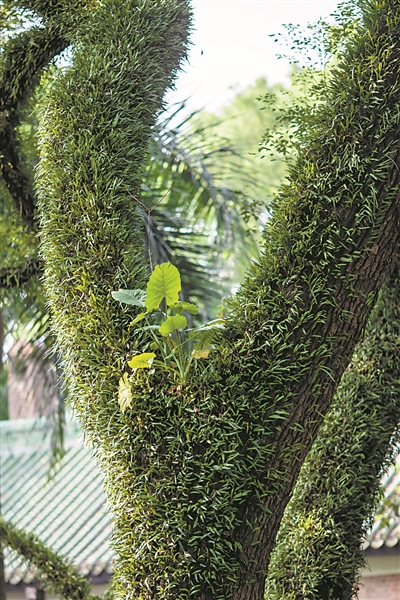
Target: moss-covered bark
(23,62)
(318,551)
(198,478)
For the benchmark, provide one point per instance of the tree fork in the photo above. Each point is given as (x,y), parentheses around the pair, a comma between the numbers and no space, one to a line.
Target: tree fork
(198,481)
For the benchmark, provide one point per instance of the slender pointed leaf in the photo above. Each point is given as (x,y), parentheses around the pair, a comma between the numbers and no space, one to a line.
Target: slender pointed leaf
(140,317)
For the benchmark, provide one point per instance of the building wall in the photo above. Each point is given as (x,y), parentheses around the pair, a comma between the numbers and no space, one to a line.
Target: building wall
(30,593)
(32,382)
(381,587)
(381,579)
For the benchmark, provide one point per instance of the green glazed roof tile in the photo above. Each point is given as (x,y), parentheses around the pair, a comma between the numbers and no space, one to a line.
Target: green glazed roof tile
(68,511)
(385,530)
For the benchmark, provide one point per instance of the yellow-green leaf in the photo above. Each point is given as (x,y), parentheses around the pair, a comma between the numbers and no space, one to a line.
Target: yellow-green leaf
(172,324)
(138,318)
(164,282)
(179,307)
(142,361)
(124,393)
(200,353)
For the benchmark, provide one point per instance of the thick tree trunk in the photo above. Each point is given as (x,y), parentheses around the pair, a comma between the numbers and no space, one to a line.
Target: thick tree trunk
(198,481)
(311,396)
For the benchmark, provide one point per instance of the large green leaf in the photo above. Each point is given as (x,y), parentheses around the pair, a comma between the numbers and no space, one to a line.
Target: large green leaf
(172,324)
(164,282)
(134,297)
(142,361)
(179,307)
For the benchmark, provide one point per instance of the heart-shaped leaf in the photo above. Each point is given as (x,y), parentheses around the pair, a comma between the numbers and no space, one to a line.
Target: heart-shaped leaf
(179,307)
(164,282)
(172,324)
(142,361)
(200,353)
(134,297)
(124,393)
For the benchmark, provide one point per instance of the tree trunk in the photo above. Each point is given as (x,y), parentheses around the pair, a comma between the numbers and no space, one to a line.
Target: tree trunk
(318,552)
(198,480)
(2,575)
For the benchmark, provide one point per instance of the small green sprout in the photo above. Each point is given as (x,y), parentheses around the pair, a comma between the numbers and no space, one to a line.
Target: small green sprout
(177,345)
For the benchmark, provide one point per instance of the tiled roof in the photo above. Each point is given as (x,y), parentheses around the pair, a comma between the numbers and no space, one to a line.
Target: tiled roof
(68,511)
(385,531)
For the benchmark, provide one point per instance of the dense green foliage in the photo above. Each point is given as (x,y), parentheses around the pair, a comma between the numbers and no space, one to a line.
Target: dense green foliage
(318,552)
(242,123)
(198,477)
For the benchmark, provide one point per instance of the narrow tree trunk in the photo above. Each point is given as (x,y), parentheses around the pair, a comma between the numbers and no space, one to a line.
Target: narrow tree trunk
(2,575)
(318,552)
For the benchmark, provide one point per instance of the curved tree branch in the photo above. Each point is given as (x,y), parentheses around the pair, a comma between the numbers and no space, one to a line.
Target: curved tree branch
(55,572)
(24,59)
(318,552)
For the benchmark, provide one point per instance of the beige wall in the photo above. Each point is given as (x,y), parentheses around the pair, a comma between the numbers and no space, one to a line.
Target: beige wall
(381,580)
(380,587)
(31,382)
(20,595)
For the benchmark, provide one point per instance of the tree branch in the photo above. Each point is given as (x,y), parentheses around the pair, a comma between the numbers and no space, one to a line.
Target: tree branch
(12,277)
(55,572)
(23,62)
(318,551)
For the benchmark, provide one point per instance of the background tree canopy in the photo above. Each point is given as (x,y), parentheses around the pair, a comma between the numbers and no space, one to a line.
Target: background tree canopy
(198,474)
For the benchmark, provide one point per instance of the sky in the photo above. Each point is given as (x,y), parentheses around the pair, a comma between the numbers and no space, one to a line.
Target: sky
(232,48)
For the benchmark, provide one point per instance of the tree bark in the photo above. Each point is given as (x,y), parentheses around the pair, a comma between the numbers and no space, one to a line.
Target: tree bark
(318,552)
